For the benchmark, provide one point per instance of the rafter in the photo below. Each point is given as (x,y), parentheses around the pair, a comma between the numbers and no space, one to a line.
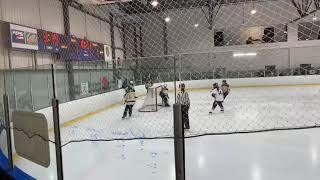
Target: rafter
(317,4)
(213,10)
(302,6)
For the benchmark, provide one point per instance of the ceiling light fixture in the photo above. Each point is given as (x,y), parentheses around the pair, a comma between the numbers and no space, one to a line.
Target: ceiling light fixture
(314,18)
(253,11)
(154,3)
(244,54)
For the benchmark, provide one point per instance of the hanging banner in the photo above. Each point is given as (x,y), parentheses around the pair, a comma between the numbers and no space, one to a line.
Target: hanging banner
(84,88)
(104,82)
(23,37)
(107,53)
(67,47)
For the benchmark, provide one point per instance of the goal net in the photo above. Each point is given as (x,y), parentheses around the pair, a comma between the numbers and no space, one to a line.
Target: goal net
(152,101)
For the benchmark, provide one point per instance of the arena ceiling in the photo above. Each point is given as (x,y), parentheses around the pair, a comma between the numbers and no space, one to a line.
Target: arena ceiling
(143,6)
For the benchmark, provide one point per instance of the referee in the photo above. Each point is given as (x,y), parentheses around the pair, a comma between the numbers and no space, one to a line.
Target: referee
(184,101)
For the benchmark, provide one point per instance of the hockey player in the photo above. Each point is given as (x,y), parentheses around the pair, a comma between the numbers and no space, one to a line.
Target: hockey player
(164,95)
(130,85)
(217,94)
(148,85)
(129,99)
(125,84)
(184,101)
(225,89)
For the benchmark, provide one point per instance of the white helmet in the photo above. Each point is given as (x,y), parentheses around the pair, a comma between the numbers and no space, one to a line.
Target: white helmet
(131,82)
(165,85)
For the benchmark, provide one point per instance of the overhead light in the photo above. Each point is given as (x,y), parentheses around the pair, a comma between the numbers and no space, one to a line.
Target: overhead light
(314,18)
(244,54)
(253,11)
(154,3)
(196,25)
(167,19)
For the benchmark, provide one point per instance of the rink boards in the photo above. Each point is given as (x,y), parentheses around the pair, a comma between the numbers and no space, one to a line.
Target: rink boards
(78,110)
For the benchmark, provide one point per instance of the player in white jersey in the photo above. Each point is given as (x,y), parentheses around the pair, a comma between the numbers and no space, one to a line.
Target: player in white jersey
(217,94)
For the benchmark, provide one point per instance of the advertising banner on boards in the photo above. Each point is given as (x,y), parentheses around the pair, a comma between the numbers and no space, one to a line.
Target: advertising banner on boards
(23,37)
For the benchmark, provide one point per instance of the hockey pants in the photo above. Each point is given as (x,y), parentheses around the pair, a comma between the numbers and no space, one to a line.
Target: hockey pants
(216,103)
(165,100)
(128,108)
(225,95)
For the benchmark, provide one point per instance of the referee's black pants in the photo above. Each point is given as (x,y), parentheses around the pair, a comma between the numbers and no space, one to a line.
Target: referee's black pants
(185,116)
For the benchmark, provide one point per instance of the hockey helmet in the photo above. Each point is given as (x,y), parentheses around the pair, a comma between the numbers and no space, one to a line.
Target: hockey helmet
(182,85)
(215,85)
(224,81)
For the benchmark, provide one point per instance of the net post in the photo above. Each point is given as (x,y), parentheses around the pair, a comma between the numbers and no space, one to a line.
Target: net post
(8,130)
(156,96)
(56,125)
(179,146)
(175,78)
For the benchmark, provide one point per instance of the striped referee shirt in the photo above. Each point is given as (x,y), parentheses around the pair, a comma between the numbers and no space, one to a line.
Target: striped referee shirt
(183,98)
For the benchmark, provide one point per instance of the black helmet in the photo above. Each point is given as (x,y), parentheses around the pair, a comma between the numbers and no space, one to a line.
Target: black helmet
(215,85)
(224,81)
(182,85)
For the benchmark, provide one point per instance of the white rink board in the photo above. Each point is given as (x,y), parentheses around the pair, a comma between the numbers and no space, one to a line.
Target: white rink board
(81,107)
(75,109)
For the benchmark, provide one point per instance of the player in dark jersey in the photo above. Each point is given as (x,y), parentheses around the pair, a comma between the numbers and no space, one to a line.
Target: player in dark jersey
(225,88)
(164,95)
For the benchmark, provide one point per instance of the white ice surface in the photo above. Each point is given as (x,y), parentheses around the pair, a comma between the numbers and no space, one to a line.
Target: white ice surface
(274,155)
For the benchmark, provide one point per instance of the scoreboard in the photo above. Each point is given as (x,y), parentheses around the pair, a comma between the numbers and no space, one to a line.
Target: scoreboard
(52,42)
(70,47)
(67,47)
(84,50)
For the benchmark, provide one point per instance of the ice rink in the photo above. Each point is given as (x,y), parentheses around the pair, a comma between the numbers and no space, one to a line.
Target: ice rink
(275,155)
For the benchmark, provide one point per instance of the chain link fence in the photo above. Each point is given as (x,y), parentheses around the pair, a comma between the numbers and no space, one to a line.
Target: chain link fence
(31,90)
(260,47)
(255,103)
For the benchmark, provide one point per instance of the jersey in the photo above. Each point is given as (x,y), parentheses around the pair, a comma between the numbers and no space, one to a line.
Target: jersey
(164,92)
(130,98)
(217,94)
(225,88)
(183,98)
